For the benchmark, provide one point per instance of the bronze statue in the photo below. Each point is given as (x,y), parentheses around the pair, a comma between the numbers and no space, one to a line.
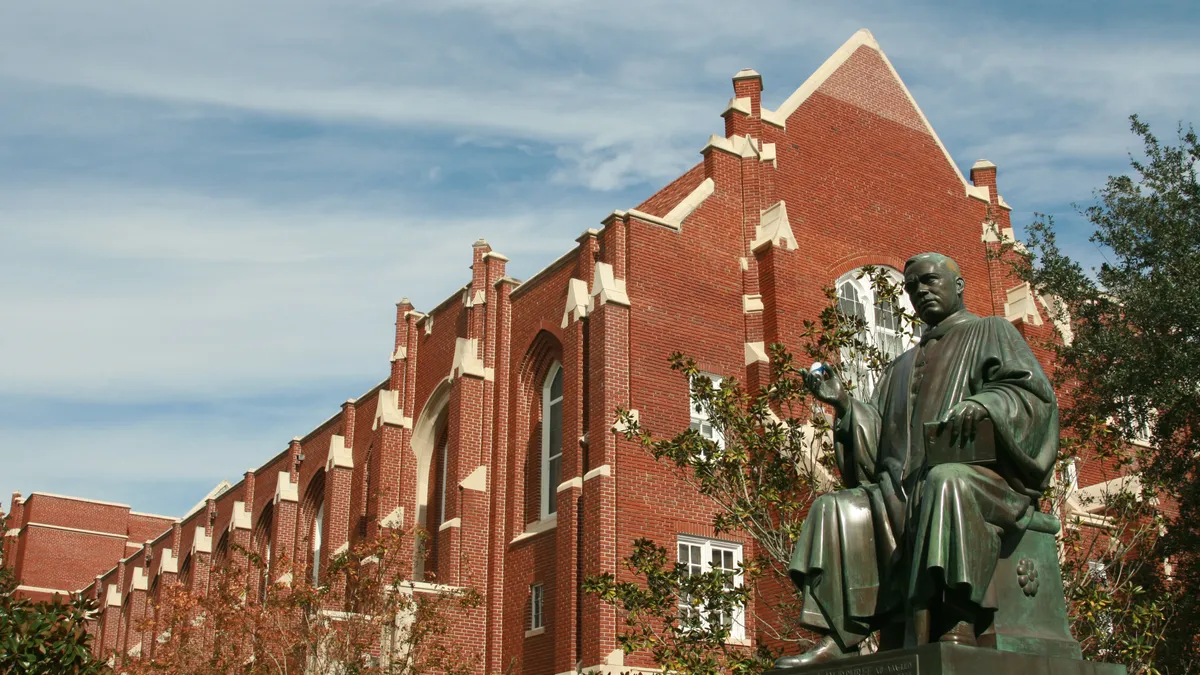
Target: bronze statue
(949,455)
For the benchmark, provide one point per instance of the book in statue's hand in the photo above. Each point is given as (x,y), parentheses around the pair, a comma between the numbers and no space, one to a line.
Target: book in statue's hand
(939,449)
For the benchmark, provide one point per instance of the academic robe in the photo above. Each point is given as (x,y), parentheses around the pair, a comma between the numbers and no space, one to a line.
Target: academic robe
(901,530)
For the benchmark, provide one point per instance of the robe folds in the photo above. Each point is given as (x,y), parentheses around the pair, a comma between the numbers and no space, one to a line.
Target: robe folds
(901,530)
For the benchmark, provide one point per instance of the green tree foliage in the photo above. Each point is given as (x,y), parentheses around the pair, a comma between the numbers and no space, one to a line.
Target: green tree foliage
(1131,373)
(43,637)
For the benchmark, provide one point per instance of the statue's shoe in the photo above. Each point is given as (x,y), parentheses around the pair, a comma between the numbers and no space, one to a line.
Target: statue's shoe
(963,633)
(826,650)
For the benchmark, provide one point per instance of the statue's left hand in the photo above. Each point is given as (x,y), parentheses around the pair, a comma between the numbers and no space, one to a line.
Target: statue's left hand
(962,420)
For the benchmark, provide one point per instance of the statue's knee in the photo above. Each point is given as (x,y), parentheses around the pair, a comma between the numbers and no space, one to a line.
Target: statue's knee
(944,475)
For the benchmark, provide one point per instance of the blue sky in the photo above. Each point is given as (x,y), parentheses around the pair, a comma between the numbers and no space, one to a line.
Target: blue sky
(207,210)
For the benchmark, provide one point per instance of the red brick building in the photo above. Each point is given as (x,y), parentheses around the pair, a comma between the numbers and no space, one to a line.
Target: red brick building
(493,427)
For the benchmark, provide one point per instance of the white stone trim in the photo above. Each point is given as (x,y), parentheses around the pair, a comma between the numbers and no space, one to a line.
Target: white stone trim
(74,499)
(401,353)
(138,580)
(113,596)
(477,481)
(756,352)
(239,519)
(606,288)
(40,589)
(339,455)
(993,234)
(466,359)
(738,146)
(620,427)
(741,105)
(218,490)
(1088,500)
(746,74)
(201,542)
(675,217)
(151,515)
(498,256)
(774,228)
(768,154)
(533,632)
(602,470)
(981,192)
(577,301)
(752,303)
(469,300)
(1002,204)
(453,522)
(341,549)
(395,519)
(1052,304)
(64,528)
(537,527)
(13,532)
(387,411)
(982,164)
(167,562)
(285,489)
(780,115)
(575,482)
(410,587)
(1020,305)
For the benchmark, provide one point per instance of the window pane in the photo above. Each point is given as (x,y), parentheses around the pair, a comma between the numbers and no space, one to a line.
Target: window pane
(556,386)
(555,473)
(849,303)
(555,448)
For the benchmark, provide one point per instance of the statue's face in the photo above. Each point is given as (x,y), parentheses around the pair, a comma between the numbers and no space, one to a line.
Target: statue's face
(934,289)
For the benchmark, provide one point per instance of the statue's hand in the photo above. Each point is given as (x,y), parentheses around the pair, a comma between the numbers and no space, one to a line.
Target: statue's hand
(827,387)
(963,420)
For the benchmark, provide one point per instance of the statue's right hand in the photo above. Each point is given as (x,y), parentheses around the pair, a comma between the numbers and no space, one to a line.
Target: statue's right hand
(827,387)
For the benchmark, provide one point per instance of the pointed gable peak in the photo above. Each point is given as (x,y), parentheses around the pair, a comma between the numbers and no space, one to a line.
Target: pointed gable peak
(860,79)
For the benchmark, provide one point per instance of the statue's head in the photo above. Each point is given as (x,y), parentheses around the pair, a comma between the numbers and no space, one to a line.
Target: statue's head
(935,286)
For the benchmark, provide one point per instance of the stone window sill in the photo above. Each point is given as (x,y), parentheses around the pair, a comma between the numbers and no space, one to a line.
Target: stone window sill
(536,527)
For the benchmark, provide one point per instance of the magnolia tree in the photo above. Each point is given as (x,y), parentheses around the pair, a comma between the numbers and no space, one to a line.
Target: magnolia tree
(43,637)
(775,454)
(366,618)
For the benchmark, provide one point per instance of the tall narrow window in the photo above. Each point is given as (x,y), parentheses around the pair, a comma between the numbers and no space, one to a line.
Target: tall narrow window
(317,529)
(699,416)
(443,459)
(537,603)
(552,399)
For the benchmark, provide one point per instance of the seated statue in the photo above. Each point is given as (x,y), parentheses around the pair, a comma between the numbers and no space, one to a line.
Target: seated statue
(910,546)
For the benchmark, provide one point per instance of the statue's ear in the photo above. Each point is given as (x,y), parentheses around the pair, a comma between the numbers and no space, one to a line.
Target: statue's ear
(960,284)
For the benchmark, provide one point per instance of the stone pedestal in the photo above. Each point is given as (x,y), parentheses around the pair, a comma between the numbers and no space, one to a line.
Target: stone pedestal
(943,658)
(950,659)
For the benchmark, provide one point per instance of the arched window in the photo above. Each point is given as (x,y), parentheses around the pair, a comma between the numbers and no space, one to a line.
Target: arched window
(318,527)
(552,400)
(883,325)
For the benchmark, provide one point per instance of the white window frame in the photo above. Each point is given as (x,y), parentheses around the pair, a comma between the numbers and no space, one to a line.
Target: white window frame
(866,297)
(698,417)
(706,547)
(537,606)
(549,496)
(318,527)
